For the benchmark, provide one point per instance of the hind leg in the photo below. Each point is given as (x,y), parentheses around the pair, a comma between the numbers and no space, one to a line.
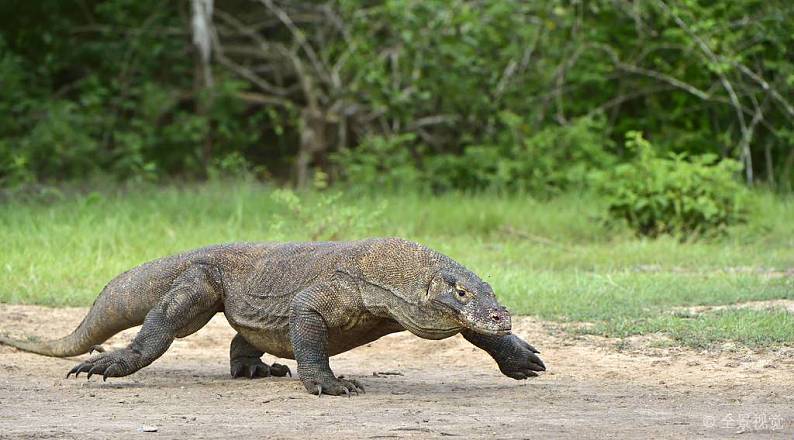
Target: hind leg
(191,301)
(246,361)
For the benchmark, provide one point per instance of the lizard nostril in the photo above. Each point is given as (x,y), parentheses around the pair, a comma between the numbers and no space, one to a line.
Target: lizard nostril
(496,317)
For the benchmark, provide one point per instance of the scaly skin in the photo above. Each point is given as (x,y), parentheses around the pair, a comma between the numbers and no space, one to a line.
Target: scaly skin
(303,301)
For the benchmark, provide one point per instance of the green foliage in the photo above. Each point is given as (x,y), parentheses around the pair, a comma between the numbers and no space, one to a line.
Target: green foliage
(320,218)
(542,162)
(108,90)
(548,161)
(381,163)
(674,194)
(524,96)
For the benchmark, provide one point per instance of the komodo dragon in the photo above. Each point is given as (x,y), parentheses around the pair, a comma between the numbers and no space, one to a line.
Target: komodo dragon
(303,301)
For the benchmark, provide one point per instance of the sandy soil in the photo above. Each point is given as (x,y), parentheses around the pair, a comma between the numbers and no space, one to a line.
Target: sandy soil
(415,389)
(774,304)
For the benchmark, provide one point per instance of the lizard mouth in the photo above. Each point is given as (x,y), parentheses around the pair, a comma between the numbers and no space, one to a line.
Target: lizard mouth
(416,327)
(488,330)
(429,332)
(499,332)
(501,329)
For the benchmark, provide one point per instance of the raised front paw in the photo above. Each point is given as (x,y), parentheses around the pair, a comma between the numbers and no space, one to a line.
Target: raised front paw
(334,386)
(254,367)
(109,364)
(522,362)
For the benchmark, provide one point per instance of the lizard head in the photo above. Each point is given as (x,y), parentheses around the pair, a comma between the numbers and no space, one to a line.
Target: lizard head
(463,297)
(428,293)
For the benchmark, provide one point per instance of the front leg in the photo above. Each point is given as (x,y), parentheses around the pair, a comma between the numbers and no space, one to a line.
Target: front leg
(515,357)
(311,312)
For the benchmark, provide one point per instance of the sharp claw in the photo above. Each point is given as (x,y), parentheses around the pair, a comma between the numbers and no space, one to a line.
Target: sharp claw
(82,367)
(97,348)
(72,371)
(535,363)
(282,368)
(106,374)
(529,347)
(347,391)
(319,390)
(359,386)
(91,371)
(251,371)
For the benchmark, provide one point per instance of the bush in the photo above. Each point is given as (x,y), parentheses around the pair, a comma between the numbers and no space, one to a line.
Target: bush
(514,158)
(518,158)
(674,194)
(380,163)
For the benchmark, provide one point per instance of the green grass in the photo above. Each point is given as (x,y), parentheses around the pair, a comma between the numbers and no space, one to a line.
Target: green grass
(553,259)
(751,328)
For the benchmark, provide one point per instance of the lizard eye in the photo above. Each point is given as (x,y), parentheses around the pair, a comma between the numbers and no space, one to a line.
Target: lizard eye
(461,295)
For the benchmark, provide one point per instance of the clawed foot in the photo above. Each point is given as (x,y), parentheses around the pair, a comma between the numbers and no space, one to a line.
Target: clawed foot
(334,386)
(523,363)
(108,364)
(254,367)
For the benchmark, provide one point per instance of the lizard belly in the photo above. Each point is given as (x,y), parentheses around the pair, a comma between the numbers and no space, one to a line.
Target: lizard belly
(276,342)
(269,333)
(362,331)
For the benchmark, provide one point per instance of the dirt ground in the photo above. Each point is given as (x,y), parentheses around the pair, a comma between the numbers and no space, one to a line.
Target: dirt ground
(415,389)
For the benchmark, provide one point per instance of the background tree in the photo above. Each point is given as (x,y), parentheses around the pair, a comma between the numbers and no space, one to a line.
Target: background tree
(437,94)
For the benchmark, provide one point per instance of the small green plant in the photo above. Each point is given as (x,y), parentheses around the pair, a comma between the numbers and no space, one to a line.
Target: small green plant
(323,217)
(674,194)
(232,164)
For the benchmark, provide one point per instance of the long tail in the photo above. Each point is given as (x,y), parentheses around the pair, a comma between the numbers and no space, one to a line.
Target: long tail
(95,329)
(123,304)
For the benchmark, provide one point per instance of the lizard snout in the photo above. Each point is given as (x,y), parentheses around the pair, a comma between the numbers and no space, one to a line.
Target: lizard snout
(500,318)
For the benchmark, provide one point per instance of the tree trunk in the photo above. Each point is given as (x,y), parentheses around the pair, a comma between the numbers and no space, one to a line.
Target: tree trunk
(313,140)
(201,25)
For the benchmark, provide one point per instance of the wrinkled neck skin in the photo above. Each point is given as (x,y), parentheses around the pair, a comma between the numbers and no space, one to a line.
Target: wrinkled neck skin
(397,274)
(419,317)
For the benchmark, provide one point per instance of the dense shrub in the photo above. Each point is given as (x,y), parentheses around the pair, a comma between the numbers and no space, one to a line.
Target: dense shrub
(543,162)
(674,193)
(381,163)
(518,158)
